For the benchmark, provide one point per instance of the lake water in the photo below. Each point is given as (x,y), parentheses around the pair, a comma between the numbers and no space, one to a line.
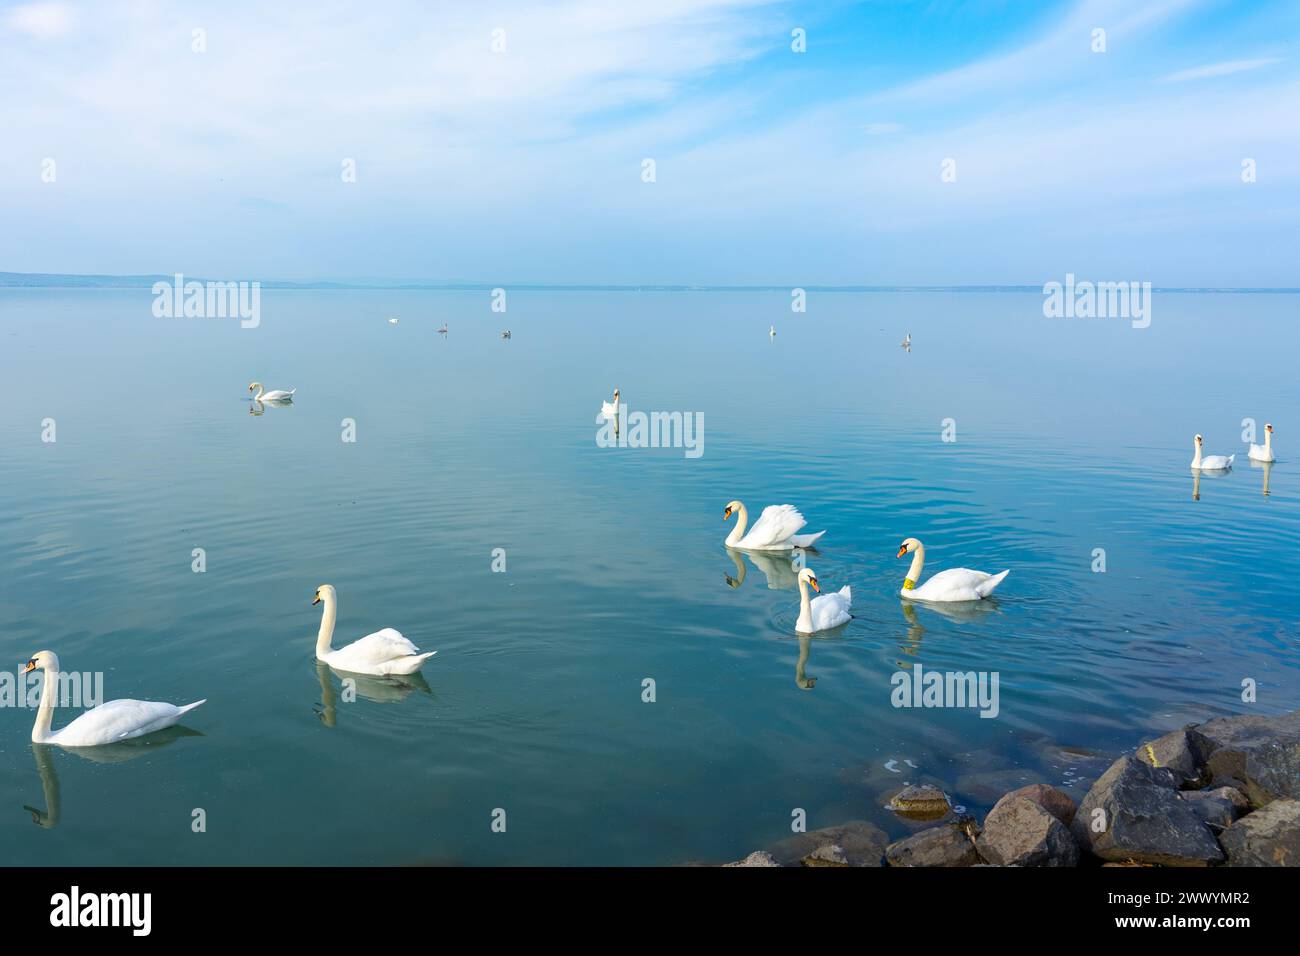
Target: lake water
(1071,435)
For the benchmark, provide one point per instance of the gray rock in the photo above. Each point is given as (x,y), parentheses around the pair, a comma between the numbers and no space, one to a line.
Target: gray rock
(1019,832)
(920,802)
(1145,819)
(946,845)
(1262,752)
(757,858)
(1049,798)
(863,844)
(1267,837)
(1217,807)
(1184,752)
(828,855)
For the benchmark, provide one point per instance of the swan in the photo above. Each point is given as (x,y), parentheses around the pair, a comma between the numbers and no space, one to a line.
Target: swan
(1210,462)
(277,395)
(955,584)
(1263,452)
(822,613)
(773,531)
(108,723)
(392,321)
(610,409)
(443,330)
(907,341)
(383,652)
(771,332)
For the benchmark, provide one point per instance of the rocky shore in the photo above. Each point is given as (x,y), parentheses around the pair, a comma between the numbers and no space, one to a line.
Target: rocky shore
(1222,793)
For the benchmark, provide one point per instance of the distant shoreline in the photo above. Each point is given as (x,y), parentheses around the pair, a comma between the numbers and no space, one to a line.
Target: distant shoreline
(50,280)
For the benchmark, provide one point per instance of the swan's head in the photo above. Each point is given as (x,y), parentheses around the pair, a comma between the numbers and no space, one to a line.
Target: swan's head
(809,577)
(731,507)
(253,386)
(1199,439)
(908,546)
(42,659)
(324,593)
(1269,429)
(616,394)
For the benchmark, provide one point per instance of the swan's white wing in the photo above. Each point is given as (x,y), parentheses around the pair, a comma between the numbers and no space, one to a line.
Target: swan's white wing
(1216,462)
(117,720)
(832,610)
(608,409)
(774,527)
(958,584)
(279,395)
(373,650)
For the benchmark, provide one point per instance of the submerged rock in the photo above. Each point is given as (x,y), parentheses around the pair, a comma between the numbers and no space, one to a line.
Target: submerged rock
(757,858)
(862,843)
(920,802)
(1183,752)
(1267,837)
(1020,832)
(1133,812)
(1049,798)
(947,845)
(1261,752)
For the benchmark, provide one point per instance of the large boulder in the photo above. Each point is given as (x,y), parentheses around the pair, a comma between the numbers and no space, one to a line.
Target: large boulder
(1218,807)
(947,845)
(1049,798)
(1019,832)
(1267,837)
(757,858)
(1133,812)
(920,802)
(1261,752)
(1184,752)
(862,843)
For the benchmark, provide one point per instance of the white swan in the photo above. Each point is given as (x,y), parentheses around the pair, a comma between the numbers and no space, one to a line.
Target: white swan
(773,531)
(392,321)
(955,584)
(383,652)
(277,395)
(771,332)
(907,341)
(1263,452)
(1210,462)
(822,613)
(610,409)
(108,723)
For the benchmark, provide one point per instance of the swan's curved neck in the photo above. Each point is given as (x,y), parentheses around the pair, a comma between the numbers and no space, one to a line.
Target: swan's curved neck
(742,522)
(45,712)
(326,634)
(1196,458)
(805,608)
(914,572)
(260,392)
(1268,439)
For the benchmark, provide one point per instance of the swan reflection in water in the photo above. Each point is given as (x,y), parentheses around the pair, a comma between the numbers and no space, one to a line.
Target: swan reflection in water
(380,690)
(803,681)
(781,568)
(103,754)
(260,407)
(1213,476)
(1266,467)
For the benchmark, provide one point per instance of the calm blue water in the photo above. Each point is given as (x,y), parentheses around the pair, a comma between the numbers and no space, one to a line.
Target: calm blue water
(1071,435)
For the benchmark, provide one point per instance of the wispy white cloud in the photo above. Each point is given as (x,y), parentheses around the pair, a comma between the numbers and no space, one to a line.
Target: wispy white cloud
(40,19)
(1226,68)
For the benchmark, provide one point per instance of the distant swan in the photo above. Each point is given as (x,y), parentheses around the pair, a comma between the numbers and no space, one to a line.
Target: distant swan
(1263,452)
(108,723)
(278,395)
(383,652)
(907,341)
(1210,462)
(610,409)
(773,531)
(771,333)
(955,584)
(822,613)
(392,321)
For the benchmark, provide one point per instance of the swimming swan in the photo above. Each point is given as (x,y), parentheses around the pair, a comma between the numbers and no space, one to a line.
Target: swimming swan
(773,531)
(955,584)
(822,613)
(1263,452)
(108,723)
(610,409)
(278,395)
(1210,462)
(383,652)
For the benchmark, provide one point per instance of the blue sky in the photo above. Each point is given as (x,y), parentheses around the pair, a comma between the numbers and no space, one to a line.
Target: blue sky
(772,166)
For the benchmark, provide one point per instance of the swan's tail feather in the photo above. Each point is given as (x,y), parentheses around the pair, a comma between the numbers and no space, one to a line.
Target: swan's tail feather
(805,540)
(188,707)
(986,587)
(1230,458)
(409,665)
